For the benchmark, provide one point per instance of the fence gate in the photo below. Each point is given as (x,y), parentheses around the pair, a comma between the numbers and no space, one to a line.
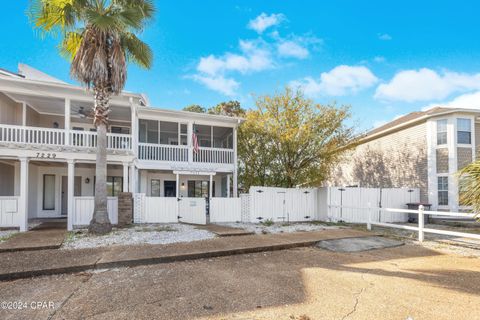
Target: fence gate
(192,210)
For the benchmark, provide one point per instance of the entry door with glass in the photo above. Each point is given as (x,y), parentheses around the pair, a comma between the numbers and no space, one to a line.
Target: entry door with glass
(77,191)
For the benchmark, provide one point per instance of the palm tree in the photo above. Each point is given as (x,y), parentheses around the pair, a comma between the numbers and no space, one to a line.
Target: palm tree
(99,38)
(469,186)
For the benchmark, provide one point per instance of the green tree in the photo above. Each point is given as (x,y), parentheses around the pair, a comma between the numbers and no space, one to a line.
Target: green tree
(469,186)
(99,38)
(289,140)
(228,108)
(195,108)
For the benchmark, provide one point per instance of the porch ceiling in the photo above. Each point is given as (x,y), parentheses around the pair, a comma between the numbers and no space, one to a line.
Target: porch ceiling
(51,105)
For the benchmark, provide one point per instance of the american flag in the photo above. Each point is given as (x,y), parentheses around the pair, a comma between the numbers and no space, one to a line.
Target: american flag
(195,143)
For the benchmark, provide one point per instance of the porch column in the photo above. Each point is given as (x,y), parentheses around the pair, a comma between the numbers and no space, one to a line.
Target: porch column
(134,124)
(235,164)
(23,199)
(70,193)
(210,187)
(133,179)
(67,122)
(177,186)
(24,113)
(189,142)
(125,177)
(229,176)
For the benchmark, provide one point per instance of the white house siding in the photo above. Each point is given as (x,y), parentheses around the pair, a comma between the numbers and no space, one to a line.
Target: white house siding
(147,176)
(10,111)
(396,160)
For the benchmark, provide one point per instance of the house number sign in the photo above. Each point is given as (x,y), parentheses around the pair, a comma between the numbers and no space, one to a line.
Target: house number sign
(43,155)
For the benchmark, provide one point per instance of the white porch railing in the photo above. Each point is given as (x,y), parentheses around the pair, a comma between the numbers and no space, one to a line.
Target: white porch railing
(84,206)
(9,212)
(162,152)
(88,139)
(213,155)
(56,137)
(31,135)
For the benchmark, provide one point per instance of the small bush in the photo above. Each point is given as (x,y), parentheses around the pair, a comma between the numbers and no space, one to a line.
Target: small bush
(268,223)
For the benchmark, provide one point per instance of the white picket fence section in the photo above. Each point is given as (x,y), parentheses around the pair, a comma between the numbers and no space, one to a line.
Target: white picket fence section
(9,212)
(225,210)
(84,206)
(160,210)
(192,210)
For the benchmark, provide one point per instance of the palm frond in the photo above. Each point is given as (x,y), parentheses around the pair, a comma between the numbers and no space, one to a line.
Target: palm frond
(137,51)
(70,45)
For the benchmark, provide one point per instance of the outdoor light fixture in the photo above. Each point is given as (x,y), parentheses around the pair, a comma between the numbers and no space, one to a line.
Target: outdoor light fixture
(183,185)
(87,180)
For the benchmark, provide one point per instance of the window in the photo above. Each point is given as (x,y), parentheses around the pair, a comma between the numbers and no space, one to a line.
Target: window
(48,192)
(155,188)
(464,135)
(122,130)
(441,132)
(204,135)
(199,189)
(169,133)
(114,186)
(443,191)
(183,134)
(148,131)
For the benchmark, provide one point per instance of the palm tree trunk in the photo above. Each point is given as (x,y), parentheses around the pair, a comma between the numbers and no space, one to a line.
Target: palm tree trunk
(100,223)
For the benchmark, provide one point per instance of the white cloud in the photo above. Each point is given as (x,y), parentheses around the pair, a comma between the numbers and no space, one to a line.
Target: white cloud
(464,101)
(292,49)
(339,81)
(252,58)
(264,21)
(226,86)
(379,59)
(426,84)
(384,36)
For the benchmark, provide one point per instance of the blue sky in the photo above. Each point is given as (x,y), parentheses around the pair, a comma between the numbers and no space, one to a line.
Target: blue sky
(383,59)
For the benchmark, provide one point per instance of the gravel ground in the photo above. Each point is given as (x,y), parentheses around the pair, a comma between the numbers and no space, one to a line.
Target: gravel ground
(139,234)
(279,227)
(6,234)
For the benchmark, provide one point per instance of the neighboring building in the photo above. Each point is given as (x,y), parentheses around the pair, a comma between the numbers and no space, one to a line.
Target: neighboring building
(48,145)
(419,150)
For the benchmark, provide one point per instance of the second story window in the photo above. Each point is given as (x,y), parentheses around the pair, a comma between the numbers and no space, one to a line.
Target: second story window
(464,131)
(441,132)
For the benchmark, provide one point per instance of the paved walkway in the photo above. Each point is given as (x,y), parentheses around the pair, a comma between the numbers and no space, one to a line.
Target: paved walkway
(224,231)
(47,235)
(22,264)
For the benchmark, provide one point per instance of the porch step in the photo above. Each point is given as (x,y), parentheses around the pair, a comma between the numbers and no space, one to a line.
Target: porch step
(223,231)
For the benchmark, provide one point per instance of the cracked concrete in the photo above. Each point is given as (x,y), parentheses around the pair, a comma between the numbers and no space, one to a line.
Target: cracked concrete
(306,283)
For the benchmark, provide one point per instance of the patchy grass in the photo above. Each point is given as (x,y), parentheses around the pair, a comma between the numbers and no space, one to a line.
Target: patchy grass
(8,236)
(268,223)
(329,223)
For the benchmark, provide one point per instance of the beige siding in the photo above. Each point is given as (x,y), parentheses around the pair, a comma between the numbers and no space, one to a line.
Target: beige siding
(442,160)
(393,161)
(464,157)
(10,111)
(32,117)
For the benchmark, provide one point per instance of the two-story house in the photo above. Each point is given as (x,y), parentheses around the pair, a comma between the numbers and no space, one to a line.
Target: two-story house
(421,150)
(48,145)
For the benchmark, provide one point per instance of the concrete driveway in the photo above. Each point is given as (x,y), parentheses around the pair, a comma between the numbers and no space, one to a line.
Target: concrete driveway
(407,282)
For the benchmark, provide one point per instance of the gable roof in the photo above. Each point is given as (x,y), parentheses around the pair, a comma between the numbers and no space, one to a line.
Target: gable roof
(412,118)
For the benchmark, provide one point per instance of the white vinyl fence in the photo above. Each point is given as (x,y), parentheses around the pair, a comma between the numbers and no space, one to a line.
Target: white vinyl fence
(283,204)
(84,206)
(225,210)
(9,212)
(192,210)
(356,204)
(160,210)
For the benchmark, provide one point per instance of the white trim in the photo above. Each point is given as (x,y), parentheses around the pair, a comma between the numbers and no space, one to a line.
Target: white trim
(432,162)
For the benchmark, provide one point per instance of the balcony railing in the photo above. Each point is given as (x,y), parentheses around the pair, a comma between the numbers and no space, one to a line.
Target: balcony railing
(163,152)
(159,152)
(213,155)
(56,137)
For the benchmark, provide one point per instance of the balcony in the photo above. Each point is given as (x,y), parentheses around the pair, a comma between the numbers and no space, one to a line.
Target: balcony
(35,136)
(175,153)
